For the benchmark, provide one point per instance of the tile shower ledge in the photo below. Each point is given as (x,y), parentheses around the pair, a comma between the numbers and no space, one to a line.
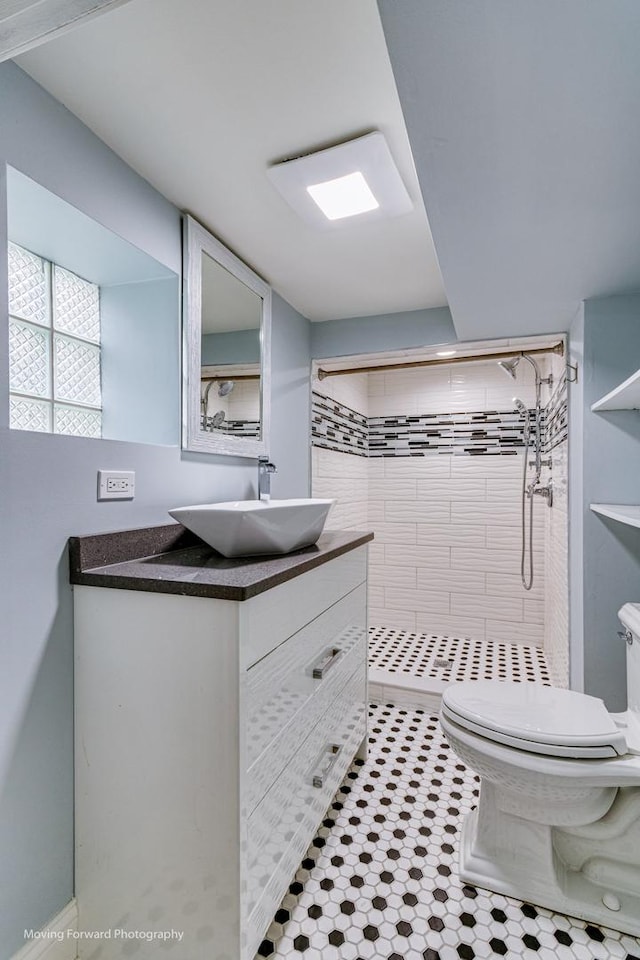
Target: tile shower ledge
(170,559)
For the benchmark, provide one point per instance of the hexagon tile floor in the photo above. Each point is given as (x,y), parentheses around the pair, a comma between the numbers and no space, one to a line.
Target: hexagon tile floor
(379,881)
(454,658)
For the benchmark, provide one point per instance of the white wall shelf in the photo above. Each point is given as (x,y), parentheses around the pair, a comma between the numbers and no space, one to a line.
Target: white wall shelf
(626,396)
(624,513)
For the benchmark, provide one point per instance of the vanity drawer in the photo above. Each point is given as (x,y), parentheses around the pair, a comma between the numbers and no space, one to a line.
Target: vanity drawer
(282,826)
(271,617)
(288,691)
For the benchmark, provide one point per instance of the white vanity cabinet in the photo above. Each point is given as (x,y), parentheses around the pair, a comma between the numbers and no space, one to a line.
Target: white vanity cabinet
(211,736)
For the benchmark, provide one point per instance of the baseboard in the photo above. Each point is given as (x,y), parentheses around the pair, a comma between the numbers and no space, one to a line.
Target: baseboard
(53,942)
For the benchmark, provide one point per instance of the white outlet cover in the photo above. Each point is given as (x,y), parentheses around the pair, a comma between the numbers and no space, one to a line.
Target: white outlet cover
(116,484)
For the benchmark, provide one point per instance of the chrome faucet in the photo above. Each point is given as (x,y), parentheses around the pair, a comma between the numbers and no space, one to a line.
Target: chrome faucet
(265,469)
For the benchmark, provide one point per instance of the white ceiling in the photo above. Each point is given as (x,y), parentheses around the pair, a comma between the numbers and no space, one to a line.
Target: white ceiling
(200,97)
(523,117)
(27,23)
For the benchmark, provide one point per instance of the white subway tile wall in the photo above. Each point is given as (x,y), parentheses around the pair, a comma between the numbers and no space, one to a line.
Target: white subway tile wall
(352,391)
(244,400)
(556,607)
(446,558)
(343,476)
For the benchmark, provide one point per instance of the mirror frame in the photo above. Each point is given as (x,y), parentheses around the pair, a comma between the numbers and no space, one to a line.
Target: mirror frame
(196,241)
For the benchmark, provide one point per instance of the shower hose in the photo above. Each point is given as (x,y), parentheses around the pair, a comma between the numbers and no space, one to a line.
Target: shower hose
(527,578)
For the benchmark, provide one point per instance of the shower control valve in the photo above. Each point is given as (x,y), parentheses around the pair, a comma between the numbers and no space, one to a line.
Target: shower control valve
(546,492)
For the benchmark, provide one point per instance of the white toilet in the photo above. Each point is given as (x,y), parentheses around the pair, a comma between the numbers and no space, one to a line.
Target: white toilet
(558,821)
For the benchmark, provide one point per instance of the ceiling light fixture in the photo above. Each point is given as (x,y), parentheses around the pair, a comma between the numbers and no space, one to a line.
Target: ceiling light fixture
(344,196)
(354,179)
(446,353)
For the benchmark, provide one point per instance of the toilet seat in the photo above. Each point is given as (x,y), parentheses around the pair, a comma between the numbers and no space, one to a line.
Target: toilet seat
(536,719)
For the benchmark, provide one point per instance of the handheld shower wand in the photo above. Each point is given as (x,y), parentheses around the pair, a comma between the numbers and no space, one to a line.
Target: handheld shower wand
(529,489)
(526,575)
(522,410)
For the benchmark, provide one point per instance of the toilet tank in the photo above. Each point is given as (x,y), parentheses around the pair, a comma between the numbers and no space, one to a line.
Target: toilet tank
(629,616)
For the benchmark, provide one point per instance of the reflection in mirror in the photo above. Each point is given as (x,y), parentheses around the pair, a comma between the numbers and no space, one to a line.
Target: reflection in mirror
(231,400)
(227,350)
(229,353)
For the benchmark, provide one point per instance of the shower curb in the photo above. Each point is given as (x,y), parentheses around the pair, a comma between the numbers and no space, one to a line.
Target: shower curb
(402,690)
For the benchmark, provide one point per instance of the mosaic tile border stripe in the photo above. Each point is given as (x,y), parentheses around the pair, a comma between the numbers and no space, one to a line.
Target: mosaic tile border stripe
(556,428)
(335,426)
(482,433)
(239,428)
(243,428)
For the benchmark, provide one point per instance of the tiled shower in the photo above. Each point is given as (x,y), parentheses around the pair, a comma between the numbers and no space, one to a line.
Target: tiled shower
(431,459)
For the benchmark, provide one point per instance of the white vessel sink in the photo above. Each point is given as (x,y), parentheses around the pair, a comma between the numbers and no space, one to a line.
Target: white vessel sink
(248,528)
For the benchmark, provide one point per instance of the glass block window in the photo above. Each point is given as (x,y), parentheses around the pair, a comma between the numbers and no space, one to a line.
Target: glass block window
(54,348)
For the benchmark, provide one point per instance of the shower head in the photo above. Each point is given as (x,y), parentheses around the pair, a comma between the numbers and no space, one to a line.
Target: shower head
(509,366)
(218,418)
(225,388)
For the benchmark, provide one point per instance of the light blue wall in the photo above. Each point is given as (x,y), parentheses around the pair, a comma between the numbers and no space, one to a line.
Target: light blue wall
(610,468)
(54,229)
(48,492)
(290,402)
(140,376)
(387,331)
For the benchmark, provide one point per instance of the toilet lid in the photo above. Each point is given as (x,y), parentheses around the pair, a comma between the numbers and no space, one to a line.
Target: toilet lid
(539,719)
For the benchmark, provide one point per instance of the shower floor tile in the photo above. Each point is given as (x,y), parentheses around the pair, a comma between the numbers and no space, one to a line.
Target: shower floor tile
(423,655)
(379,881)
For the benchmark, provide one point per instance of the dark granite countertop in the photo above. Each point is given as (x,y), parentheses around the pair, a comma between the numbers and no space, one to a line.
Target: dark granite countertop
(170,559)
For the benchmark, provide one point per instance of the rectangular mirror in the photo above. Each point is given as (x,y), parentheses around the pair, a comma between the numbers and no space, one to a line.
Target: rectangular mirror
(227,350)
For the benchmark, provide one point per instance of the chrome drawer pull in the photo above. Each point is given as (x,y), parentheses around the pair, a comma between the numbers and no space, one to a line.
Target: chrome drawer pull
(326,662)
(330,755)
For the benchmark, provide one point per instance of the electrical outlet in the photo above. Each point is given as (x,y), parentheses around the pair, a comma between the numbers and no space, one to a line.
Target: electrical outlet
(116,484)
